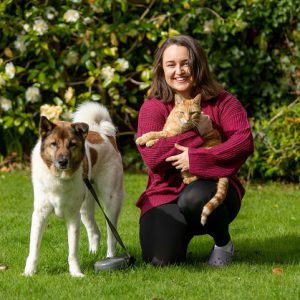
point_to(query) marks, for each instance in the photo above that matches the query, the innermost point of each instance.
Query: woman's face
(177, 70)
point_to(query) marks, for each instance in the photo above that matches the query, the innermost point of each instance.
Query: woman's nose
(179, 69)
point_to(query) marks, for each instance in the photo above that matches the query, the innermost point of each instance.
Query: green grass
(266, 234)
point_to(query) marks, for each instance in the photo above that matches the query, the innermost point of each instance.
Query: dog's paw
(93, 249)
(77, 274)
(110, 253)
(94, 243)
(74, 269)
(30, 269)
(28, 273)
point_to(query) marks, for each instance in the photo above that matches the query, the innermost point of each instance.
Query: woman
(170, 210)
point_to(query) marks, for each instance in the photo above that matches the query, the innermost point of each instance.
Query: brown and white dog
(64, 153)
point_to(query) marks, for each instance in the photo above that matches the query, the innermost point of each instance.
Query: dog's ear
(81, 129)
(46, 127)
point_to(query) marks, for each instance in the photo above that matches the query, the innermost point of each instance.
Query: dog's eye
(53, 144)
(72, 145)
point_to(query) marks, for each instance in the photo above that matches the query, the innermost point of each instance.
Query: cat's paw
(140, 141)
(188, 180)
(151, 143)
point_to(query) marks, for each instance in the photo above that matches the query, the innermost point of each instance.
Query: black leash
(111, 226)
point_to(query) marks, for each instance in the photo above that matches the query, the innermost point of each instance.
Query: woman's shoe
(219, 257)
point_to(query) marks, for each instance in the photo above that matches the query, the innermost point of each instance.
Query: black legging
(166, 230)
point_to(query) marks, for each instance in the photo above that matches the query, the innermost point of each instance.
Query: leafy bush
(60, 53)
(277, 145)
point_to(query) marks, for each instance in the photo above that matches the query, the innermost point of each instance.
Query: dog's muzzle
(63, 162)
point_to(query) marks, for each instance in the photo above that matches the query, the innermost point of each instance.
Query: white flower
(5, 103)
(32, 94)
(40, 26)
(28, 13)
(26, 27)
(69, 94)
(19, 44)
(52, 112)
(10, 70)
(2, 81)
(122, 64)
(71, 15)
(208, 26)
(76, 1)
(67, 115)
(87, 20)
(50, 13)
(72, 58)
(107, 73)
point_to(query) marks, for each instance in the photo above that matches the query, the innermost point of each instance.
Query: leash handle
(110, 224)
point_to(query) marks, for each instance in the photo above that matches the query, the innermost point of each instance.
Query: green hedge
(277, 145)
(61, 53)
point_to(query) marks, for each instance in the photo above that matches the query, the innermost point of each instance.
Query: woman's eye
(53, 144)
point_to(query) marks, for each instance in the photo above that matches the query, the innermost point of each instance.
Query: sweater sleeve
(152, 117)
(227, 158)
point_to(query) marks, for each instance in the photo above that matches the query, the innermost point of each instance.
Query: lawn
(266, 235)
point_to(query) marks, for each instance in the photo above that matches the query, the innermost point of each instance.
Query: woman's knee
(164, 235)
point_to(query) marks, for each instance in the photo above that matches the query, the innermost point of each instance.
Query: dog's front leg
(37, 228)
(73, 226)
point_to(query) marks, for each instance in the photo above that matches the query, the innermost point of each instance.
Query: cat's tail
(216, 200)
(96, 116)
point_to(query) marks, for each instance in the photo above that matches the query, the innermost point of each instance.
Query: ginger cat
(186, 115)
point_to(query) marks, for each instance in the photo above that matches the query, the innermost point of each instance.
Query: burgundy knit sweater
(164, 181)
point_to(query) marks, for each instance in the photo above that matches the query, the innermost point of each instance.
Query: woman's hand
(180, 161)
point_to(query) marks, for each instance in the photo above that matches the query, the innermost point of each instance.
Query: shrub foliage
(56, 54)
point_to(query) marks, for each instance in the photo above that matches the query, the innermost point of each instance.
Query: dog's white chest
(66, 198)
(63, 196)
(65, 206)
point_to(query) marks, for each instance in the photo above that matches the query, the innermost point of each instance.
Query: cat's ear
(178, 98)
(197, 99)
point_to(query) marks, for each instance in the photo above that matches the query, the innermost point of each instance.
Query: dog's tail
(96, 116)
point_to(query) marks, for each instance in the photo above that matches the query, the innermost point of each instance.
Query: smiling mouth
(181, 79)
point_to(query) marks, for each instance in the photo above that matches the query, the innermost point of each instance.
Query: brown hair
(204, 83)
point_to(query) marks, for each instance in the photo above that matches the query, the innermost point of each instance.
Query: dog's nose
(63, 162)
